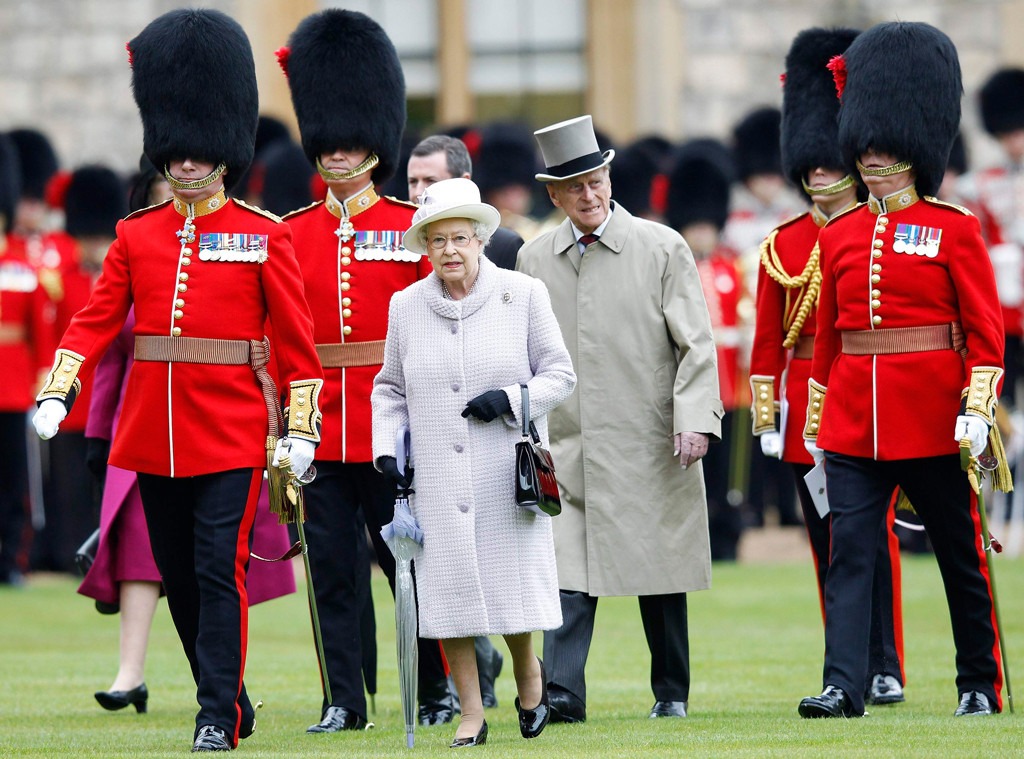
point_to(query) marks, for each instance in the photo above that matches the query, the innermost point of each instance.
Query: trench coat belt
(205, 350)
(804, 347)
(878, 342)
(10, 334)
(341, 355)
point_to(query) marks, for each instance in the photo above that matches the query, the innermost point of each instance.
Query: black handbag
(86, 553)
(536, 486)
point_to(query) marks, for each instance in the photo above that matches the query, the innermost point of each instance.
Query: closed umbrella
(405, 539)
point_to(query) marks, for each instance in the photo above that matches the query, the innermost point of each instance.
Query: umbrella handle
(403, 447)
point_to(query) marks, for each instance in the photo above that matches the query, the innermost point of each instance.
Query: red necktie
(588, 240)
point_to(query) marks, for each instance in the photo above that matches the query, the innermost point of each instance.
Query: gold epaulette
(790, 221)
(304, 415)
(932, 200)
(407, 203)
(53, 283)
(257, 209)
(147, 209)
(841, 214)
(815, 405)
(297, 211)
(762, 393)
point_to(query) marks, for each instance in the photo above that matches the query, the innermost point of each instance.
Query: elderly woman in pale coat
(460, 343)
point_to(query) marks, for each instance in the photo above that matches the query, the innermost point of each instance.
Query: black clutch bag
(86, 553)
(536, 486)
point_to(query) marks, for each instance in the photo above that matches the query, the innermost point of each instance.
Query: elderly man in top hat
(908, 328)
(628, 442)
(787, 290)
(349, 96)
(205, 273)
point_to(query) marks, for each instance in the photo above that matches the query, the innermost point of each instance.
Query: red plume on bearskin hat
(902, 97)
(96, 199)
(699, 184)
(347, 87)
(1002, 101)
(194, 82)
(809, 103)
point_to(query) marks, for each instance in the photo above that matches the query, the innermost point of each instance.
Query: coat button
(345, 260)
(182, 288)
(878, 243)
(876, 268)
(345, 276)
(455, 328)
(347, 330)
(179, 303)
(463, 507)
(346, 312)
(346, 250)
(876, 319)
(345, 286)
(875, 279)
(183, 277)
(455, 387)
(346, 302)
(186, 261)
(458, 447)
(176, 332)
(178, 314)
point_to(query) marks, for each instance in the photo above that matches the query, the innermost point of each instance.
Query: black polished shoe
(112, 700)
(336, 719)
(885, 689)
(248, 726)
(668, 709)
(210, 738)
(532, 721)
(477, 740)
(488, 674)
(565, 707)
(437, 707)
(833, 702)
(973, 702)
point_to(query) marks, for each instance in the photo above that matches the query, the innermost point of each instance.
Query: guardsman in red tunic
(907, 359)
(349, 96)
(204, 273)
(697, 207)
(780, 361)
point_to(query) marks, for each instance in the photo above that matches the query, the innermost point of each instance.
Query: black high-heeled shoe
(533, 721)
(477, 740)
(113, 700)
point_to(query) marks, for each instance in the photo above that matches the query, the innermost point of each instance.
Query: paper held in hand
(815, 480)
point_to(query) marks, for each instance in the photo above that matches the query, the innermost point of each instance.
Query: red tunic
(22, 326)
(793, 243)
(720, 280)
(901, 405)
(186, 419)
(349, 285)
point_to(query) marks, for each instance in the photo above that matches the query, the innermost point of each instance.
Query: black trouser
(725, 519)
(201, 532)
(13, 491)
(859, 493)
(885, 646)
(72, 501)
(333, 532)
(665, 625)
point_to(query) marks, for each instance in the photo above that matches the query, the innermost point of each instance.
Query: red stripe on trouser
(241, 563)
(897, 582)
(979, 545)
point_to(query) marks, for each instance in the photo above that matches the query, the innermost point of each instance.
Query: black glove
(488, 406)
(389, 468)
(97, 450)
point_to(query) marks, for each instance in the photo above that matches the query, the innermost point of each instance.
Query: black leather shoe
(437, 707)
(488, 674)
(565, 707)
(336, 719)
(833, 702)
(532, 721)
(885, 689)
(112, 700)
(973, 702)
(668, 709)
(210, 738)
(477, 740)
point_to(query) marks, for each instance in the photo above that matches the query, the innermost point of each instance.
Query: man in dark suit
(442, 157)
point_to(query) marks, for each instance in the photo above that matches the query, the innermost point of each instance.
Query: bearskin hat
(507, 156)
(756, 143)
(10, 183)
(635, 170)
(1002, 101)
(809, 103)
(286, 177)
(699, 184)
(958, 155)
(347, 87)
(194, 82)
(95, 200)
(37, 159)
(902, 96)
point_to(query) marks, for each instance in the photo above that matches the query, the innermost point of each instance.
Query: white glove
(975, 428)
(771, 444)
(816, 453)
(301, 453)
(48, 417)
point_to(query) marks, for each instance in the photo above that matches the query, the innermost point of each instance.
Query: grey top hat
(570, 149)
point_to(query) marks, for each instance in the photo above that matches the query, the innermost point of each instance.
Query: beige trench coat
(635, 322)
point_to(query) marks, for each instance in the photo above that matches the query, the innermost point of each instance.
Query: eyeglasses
(440, 242)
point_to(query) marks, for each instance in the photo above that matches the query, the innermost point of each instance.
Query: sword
(976, 466)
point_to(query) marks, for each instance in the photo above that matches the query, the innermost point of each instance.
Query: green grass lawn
(756, 650)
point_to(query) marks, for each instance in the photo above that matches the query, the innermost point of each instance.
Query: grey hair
(456, 154)
(481, 231)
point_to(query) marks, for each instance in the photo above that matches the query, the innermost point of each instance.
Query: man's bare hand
(690, 447)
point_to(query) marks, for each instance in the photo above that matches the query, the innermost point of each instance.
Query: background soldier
(195, 425)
